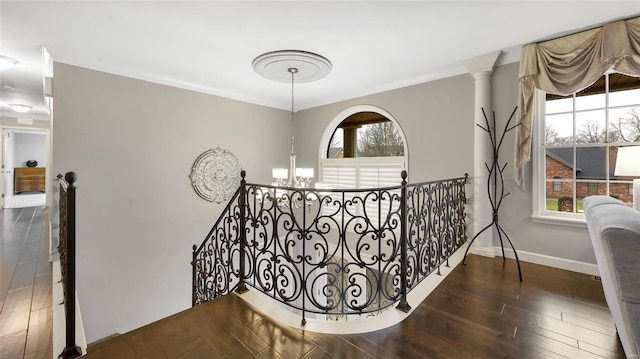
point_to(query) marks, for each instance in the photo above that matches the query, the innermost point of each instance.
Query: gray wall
(132, 144)
(437, 120)
(30, 146)
(559, 241)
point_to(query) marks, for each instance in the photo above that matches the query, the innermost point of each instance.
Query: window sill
(560, 221)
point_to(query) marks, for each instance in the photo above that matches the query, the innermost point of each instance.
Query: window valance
(569, 64)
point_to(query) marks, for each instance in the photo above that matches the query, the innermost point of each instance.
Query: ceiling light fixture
(20, 108)
(285, 66)
(7, 62)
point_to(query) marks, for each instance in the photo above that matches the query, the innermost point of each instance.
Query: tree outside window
(366, 134)
(380, 140)
(582, 134)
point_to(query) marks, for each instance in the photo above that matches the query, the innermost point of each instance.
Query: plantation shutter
(376, 175)
(363, 173)
(339, 175)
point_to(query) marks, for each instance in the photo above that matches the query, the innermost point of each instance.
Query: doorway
(25, 160)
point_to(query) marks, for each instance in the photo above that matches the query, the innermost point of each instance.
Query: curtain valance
(569, 64)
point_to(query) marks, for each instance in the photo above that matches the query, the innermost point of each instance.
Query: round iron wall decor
(215, 175)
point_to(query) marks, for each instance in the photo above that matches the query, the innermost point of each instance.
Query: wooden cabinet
(28, 179)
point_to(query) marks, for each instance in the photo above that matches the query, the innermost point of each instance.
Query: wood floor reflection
(26, 316)
(479, 311)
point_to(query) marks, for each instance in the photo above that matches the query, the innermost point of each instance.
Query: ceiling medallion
(215, 175)
(275, 65)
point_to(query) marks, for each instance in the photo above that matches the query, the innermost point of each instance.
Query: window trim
(357, 162)
(331, 126)
(539, 212)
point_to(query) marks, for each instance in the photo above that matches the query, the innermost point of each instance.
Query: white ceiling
(208, 46)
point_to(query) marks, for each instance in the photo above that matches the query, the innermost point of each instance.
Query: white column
(481, 68)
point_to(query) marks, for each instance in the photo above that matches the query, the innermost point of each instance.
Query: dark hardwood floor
(479, 311)
(26, 316)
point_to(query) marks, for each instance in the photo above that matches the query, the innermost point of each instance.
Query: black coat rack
(495, 181)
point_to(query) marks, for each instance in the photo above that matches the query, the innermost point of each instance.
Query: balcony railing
(67, 252)
(332, 252)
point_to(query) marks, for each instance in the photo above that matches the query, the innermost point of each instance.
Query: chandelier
(285, 66)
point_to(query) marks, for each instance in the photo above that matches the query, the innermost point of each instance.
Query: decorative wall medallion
(215, 175)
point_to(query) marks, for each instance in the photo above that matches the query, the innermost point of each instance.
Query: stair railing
(332, 252)
(67, 252)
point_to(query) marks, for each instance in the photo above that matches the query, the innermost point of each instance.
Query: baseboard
(102, 340)
(549, 261)
(483, 251)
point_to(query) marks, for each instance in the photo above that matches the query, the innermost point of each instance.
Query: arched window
(363, 147)
(366, 134)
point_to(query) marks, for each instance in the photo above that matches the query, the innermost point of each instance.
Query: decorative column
(481, 68)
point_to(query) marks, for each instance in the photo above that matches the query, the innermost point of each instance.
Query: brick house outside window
(590, 168)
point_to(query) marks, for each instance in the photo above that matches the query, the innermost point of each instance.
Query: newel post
(403, 305)
(193, 275)
(242, 287)
(71, 350)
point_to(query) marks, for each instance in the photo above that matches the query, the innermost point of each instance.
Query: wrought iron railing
(67, 253)
(332, 252)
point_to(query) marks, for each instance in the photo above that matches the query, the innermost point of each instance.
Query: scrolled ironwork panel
(215, 263)
(62, 237)
(436, 225)
(332, 252)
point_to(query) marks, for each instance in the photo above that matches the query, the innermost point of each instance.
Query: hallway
(26, 316)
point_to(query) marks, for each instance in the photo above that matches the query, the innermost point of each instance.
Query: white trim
(328, 131)
(549, 261)
(537, 152)
(31, 115)
(483, 251)
(576, 220)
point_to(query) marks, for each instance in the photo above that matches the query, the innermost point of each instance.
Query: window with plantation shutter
(363, 148)
(363, 173)
(381, 173)
(377, 175)
(338, 174)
